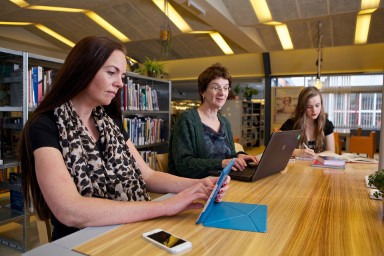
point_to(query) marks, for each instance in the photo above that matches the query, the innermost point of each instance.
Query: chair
(239, 147)
(363, 144)
(162, 162)
(44, 230)
(337, 143)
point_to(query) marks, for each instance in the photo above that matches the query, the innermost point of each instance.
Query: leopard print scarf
(109, 173)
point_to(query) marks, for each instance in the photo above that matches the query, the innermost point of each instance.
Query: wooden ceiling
(140, 21)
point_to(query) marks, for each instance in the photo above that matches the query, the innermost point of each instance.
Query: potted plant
(377, 179)
(153, 68)
(236, 91)
(249, 92)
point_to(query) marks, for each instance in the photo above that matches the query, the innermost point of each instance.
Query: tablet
(208, 205)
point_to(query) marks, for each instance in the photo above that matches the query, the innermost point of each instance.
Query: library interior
(273, 50)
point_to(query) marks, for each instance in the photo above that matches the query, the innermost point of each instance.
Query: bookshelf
(15, 96)
(247, 120)
(146, 106)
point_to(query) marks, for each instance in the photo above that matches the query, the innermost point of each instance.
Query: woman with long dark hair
(78, 163)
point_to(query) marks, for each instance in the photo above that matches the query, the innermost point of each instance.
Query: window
(350, 100)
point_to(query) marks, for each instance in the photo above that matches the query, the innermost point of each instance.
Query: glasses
(217, 87)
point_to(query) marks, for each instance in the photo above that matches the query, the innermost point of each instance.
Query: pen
(305, 145)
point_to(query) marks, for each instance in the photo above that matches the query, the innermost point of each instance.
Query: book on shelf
(349, 157)
(138, 97)
(333, 165)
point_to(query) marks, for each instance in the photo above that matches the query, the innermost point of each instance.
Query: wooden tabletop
(311, 211)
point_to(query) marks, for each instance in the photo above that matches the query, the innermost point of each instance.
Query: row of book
(138, 97)
(39, 81)
(150, 158)
(144, 130)
(133, 97)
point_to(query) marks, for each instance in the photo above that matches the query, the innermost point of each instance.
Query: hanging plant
(165, 31)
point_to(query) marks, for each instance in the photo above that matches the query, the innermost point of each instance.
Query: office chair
(162, 162)
(337, 143)
(363, 144)
(239, 147)
(44, 230)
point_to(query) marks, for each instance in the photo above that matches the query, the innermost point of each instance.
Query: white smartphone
(167, 241)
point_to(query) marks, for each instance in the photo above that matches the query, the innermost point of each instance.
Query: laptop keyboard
(245, 175)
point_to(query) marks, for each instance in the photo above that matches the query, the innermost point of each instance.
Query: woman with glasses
(202, 138)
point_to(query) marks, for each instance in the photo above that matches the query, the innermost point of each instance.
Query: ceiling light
(221, 43)
(131, 60)
(201, 32)
(55, 35)
(362, 28)
(20, 3)
(54, 9)
(15, 23)
(174, 16)
(367, 11)
(273, 23)
(103, 23)
(285, 38)
(261, 9)
(369, 4)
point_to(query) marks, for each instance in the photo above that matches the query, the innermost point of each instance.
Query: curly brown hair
(211, 73)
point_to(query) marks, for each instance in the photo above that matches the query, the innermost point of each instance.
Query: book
(331, 160)
(349, 158)
(317, 163)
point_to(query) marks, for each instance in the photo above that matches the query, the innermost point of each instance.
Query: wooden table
(311, 211)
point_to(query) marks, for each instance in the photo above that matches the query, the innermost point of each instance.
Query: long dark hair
(78, 70)
(299, 117)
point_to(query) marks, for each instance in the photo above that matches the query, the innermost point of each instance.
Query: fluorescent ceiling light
(54, 9)
(285, 38)
(55, 35)
(367, 11)
(103, 23)
(273, 23)
(369, 4)
(174, 16)
(20, 3)
(201, 32)
(221, 43)
(362, 28)
(15, 23)
(260, 7)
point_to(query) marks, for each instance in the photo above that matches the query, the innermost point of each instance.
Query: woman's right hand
(188, 199)
(195, 196)
(304, 152)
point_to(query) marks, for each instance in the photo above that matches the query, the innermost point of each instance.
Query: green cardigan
(187, 152)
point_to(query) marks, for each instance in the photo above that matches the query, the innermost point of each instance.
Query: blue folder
(231, 215)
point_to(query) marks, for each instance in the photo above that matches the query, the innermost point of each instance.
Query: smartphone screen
(166, 239)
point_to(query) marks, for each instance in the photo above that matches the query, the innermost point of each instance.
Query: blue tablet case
(231, 215)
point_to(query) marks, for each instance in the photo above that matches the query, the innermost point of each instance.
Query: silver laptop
(273, 160)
